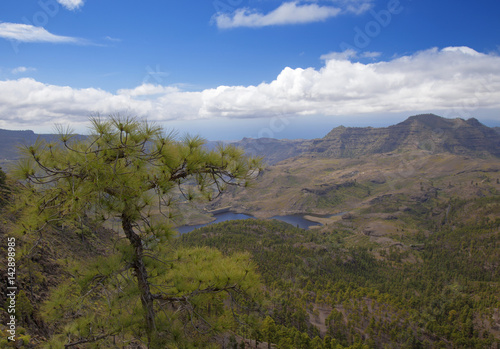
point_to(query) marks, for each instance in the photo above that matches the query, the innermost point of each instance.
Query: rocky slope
(351, 169)
(427, 132)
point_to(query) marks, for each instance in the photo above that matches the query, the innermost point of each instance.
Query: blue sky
(227, 69)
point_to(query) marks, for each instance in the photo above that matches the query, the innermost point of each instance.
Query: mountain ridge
(11, 139)
(429, 132)
(423, 131)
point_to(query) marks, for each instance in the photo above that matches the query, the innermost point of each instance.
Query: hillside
(406, 256)
(322, 185)
(428, 288)
(350, 168)
(10, 141)
(427, 131)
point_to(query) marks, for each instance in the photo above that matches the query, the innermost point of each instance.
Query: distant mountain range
(427, 131)
(11, 140)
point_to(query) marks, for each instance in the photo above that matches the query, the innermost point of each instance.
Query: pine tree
(130, 170)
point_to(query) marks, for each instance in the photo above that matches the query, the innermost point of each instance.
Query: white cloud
(28, 104)
(428, 80)
(286, 13)
(21, 70)
(71, 4)
(347, 54)
(458, 79)
(30, 33)
(358, 8)
(148, 90)
(462, 49)
(371, 54)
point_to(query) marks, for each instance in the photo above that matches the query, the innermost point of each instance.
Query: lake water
(297, 220)
(294, 219)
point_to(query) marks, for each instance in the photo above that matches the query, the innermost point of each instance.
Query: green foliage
(326, 288)
(125, 166)
(440, 300)
(5, 190)
(24, 308)
(203, 276)
(143, 289)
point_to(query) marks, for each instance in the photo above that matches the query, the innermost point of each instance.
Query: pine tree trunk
(141, 274)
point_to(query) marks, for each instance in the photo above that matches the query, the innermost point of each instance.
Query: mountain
(274, 150)
(353, 168)
(427, 132)
(421, 198)
(10, 140)
(406, 254)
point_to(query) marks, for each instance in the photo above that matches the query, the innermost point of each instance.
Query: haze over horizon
(228, 69)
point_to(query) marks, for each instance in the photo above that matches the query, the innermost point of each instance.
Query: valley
(405, 252)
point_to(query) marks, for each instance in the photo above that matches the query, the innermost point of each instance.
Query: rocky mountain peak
(424, 131)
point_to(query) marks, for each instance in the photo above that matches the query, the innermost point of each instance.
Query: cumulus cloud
(462, 49)
(447, 79)
(71, 4)
(428, 80)
(286, 13)
(148, 90)
(29, 104)
(30, 33)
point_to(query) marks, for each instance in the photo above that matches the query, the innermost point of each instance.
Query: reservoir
(297, 220)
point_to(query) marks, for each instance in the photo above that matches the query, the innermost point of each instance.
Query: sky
(228, 69)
